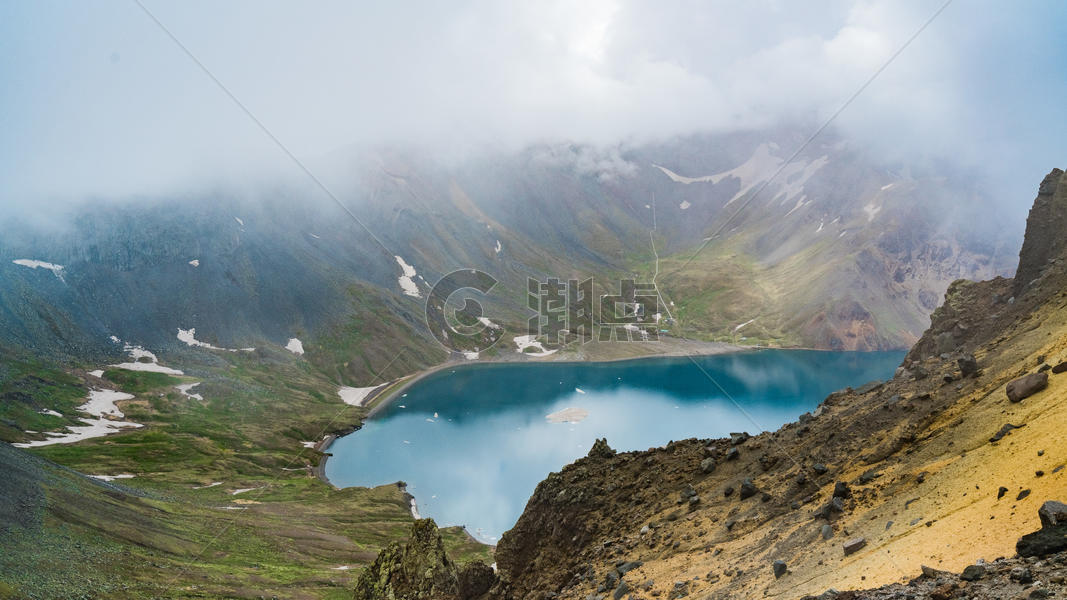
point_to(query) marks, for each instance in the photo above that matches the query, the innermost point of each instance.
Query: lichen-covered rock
(601, 449)
(421, 569)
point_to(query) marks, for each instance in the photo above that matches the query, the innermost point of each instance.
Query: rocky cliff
(941, 466)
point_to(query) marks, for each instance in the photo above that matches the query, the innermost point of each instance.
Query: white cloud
(108, 101)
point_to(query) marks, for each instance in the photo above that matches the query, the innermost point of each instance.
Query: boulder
(707, 465)
(1052, 514)
(779, 567)
(819, 468)
(968, 365)
(1060, 368)
(733, 454)
(827, 532)
(748, 489)
(1026, 386)
(737, 438)
(841, 490)
(475, 579)
(869, 387)
(1043, 542)
(973, 573)
(854, 545)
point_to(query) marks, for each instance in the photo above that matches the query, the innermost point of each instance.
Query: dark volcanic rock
(968, 365)
(1043, 542)
(737, 438)
(748, 489)
(1026, 386)
(601, 449)
(973, 573)
(1003, 431)
(707, 465)
(854, 545)
(779, 568)
(841, 490)
(1060, 368)
(1044, 238)
(1052, 514)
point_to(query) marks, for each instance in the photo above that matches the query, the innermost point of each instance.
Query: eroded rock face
(1044, 239)
(421, 569)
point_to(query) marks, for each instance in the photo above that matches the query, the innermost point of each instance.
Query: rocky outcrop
(1045, 241)
(420, 570)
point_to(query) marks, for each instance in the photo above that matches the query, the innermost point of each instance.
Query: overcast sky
(96, 99)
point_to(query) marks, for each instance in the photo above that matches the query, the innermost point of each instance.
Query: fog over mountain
(100, 102)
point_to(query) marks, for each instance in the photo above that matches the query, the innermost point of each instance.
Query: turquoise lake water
(472, 443)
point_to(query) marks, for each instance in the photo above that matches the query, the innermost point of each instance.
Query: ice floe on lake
(567, 415)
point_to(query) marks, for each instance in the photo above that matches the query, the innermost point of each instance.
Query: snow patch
(50, 412)
(354, 396)
(184, 389)
(568, 415)
(57, 270)
(684, 205)
(97, 373)
(743, 325)
(210, 485)
(295, 346)
(243, 490)
(760, 167)
(407, 284)
(871, 211)
(100, 406)
(239, 221)
(195, 262)
(113, 477)
(189, 337)
(136, 353)
(523, 342)
(498, 247)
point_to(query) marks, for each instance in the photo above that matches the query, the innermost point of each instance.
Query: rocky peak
(422, 569)
(1046, 225)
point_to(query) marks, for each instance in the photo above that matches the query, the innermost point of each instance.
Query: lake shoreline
(481, 381)
(385, 394)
